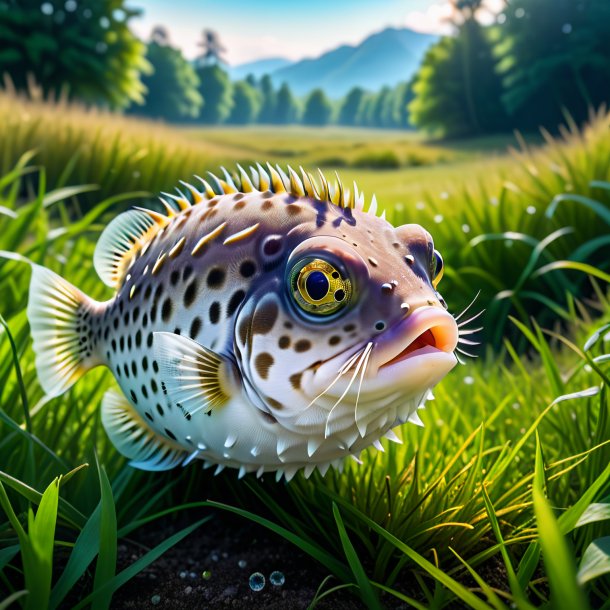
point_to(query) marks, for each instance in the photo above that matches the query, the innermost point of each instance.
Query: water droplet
(182, 574)
(105, 22)
(206, 575)
(277, 579)
(242, 563)
(46, 8)
(420, 205)
(192, 575)
(438, 218)
(501, 18)
(215, 557)
(530, 209)
(466, 228)
(468, 380)
(566, 28)
(520, 13)
(70, 5)
(256, 581)
(155, 599)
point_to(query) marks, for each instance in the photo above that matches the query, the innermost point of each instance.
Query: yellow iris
(318, 287)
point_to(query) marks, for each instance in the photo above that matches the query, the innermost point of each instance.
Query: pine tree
(351, 106)
(269, 101)
(216, 89)
(318, 109)
(287, 110)
(246, 104)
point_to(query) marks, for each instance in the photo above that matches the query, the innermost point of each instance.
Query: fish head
(349, 325)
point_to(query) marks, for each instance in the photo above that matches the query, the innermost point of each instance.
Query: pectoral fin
(195, 377)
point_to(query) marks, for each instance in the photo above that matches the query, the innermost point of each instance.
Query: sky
(294, 29)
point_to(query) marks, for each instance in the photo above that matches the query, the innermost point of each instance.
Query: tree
(267, 114)
(384, 108)
(318, 109)
(83, 48)
(246, 104)
(287, 109)
(216, 89)
(448, 101)
(554, 56)
(173, 86)
(351, 106)
(211, 48)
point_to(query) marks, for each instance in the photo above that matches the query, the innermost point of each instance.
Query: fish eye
(437, 268)
(318, 287)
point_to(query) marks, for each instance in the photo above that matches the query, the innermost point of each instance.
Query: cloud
(438, 18)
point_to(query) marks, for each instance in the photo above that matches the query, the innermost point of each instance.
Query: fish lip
(400, 336)
(391, 342)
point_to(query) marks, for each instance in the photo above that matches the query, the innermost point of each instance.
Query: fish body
(270, 324)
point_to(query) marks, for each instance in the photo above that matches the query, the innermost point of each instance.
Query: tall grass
(510, 469)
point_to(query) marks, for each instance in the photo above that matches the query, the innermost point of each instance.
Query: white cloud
(439, 18)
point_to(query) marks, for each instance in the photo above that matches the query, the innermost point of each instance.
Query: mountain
(384, 58)
(257, 68)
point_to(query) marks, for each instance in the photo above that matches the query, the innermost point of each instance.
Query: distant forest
(541, 62)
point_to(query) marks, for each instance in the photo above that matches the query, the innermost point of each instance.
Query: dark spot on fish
(135, 314)
(195, 327)
(177, 331)
(288, 325)
(126, 319)
(166, 311)
(302, 345)
(115, 323)
(334, 340)
(293, 209)
(242, 330)
(264, 318)
(129, 343)
(145, 320)
(150, 417)
(174, 277)
(134, 397)
(190, 293)
(215, 312)
(149, 340)
(216, 278)
(170, 434)
(349, 327)
(263, 363)
(235, 302)
(144, 391)
(147, 292)
(284, 342)
(295, 380)
(238, 196)
(139, 338)
(267, 195)
(126, 369)
(145, 364)
(113, 344)
(268, 417)
(159, 409)
(247, 268)
(122, 344)
(134, 368)
(106, 334)
(188, 270)
(153, 386)
(240, 205)
(276, 404)
(155, 366)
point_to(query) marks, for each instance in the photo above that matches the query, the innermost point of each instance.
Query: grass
(511, 468)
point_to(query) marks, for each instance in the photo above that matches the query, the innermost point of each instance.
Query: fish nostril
(380, 325)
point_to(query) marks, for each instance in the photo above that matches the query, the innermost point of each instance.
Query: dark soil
(220, 546)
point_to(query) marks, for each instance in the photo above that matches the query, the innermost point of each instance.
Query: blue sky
(253, 29)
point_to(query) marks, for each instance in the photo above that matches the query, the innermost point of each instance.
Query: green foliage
(216, 90)
(172, 88)
(246, 104)
(318, 109)
(457, 91)
(350, 107)
(554, 55)
(83, 49)
(420, 521)
(287, 109)
(269, 104)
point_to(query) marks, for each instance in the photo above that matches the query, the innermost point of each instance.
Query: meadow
(501, 499)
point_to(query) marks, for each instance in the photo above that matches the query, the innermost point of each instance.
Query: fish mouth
(416, 352)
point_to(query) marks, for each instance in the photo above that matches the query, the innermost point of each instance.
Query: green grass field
(511, 468)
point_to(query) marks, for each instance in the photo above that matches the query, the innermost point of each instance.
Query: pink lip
(426, 330)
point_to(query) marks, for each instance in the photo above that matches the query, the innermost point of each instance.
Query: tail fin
(60, 319)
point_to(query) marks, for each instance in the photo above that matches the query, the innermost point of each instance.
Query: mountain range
(384, 58)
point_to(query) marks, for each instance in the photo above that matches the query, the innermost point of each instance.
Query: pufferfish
(267, 322)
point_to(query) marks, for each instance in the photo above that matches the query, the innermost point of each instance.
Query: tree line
(537, 61)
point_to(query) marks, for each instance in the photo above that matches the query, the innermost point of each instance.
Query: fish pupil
(317, 285)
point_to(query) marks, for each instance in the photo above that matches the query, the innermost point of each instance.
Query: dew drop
(155, 600)
(242, 563)
(256, 581)
(468, 380)
(182, 574)
(530, 209)
(438, 218)
(277, 578)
